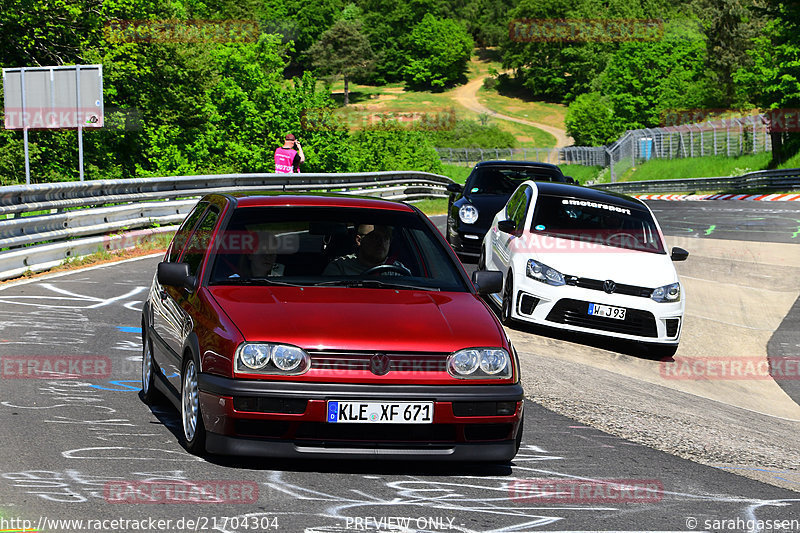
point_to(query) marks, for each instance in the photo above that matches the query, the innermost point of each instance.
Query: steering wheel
(622, 238)
(383, 269)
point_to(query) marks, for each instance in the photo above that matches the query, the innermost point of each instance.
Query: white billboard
(66, 97)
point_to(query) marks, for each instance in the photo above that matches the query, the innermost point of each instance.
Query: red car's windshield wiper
(372, 283)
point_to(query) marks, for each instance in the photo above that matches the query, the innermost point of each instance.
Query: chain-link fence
(729, 137)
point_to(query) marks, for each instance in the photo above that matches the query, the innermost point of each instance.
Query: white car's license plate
(607, 311)
(380, 412)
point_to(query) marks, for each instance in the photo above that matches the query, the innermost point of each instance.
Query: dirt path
(466, 95)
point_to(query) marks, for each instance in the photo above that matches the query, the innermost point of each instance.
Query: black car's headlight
(667, 293)
(468, 214)
(268, 358)
(545, 274)
(479, 363)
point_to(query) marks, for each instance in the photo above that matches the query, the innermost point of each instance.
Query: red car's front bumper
(471, 422)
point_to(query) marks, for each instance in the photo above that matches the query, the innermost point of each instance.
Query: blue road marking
(121, 383)
(128, 329)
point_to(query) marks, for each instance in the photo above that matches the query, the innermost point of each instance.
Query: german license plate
(347, 412)
(607, 311)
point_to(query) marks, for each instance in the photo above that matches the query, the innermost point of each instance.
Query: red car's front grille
(377, 361)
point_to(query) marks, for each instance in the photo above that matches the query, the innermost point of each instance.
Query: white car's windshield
(600, 222)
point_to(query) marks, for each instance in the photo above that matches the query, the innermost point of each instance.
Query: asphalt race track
(730, 219)
(74, 446)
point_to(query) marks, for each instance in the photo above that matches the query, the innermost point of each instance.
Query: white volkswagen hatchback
(588, 261)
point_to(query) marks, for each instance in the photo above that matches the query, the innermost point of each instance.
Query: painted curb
(793, 197)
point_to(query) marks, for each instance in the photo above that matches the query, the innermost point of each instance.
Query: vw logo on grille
(609, 286)
(379, 364)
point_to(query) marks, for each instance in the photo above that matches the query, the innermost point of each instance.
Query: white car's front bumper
(567, 307)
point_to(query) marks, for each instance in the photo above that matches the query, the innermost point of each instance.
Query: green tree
(590, 120)
(773, 81)
(388, 24)
(302, 23)
(558, 67)
(730, 27)
(486, 20)
(546, 68)
(45, 33)
(438, 52)
(344, 51)
(644, 79)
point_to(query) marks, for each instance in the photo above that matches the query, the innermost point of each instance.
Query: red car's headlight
(479, 363)
(267, 358)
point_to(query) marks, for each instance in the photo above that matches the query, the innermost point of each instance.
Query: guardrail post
(715, 138)
(611, 166)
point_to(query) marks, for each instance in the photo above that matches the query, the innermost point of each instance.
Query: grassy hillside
(369, 103)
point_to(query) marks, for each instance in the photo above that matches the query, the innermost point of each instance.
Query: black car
(486, 191)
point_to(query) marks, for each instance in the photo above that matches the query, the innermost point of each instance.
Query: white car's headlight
(545, 274)
(667, 293)
(468, 214)
(267, 358)
(479, 363)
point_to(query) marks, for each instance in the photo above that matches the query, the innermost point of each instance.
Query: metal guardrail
(783, 179)
(79, 216)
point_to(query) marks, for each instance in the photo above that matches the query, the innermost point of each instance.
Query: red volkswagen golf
(328, 326)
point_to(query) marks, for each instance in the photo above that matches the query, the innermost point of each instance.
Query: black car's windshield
(506, 179)
(344, 247)
(598, 222)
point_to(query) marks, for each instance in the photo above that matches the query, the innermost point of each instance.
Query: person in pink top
(289, 157)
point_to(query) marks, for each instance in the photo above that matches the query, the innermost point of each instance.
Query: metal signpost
(65, 97)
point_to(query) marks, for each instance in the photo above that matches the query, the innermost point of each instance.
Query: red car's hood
(336, 318)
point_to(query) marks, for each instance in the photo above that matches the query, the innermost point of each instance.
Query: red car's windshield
(333, 246)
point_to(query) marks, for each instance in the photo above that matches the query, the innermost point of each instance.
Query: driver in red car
(373, 250)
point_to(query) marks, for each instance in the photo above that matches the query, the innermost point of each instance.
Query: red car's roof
(258, 199)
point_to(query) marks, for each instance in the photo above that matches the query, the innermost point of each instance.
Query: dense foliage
(472, 134)
(705, 54)
(177, 105)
